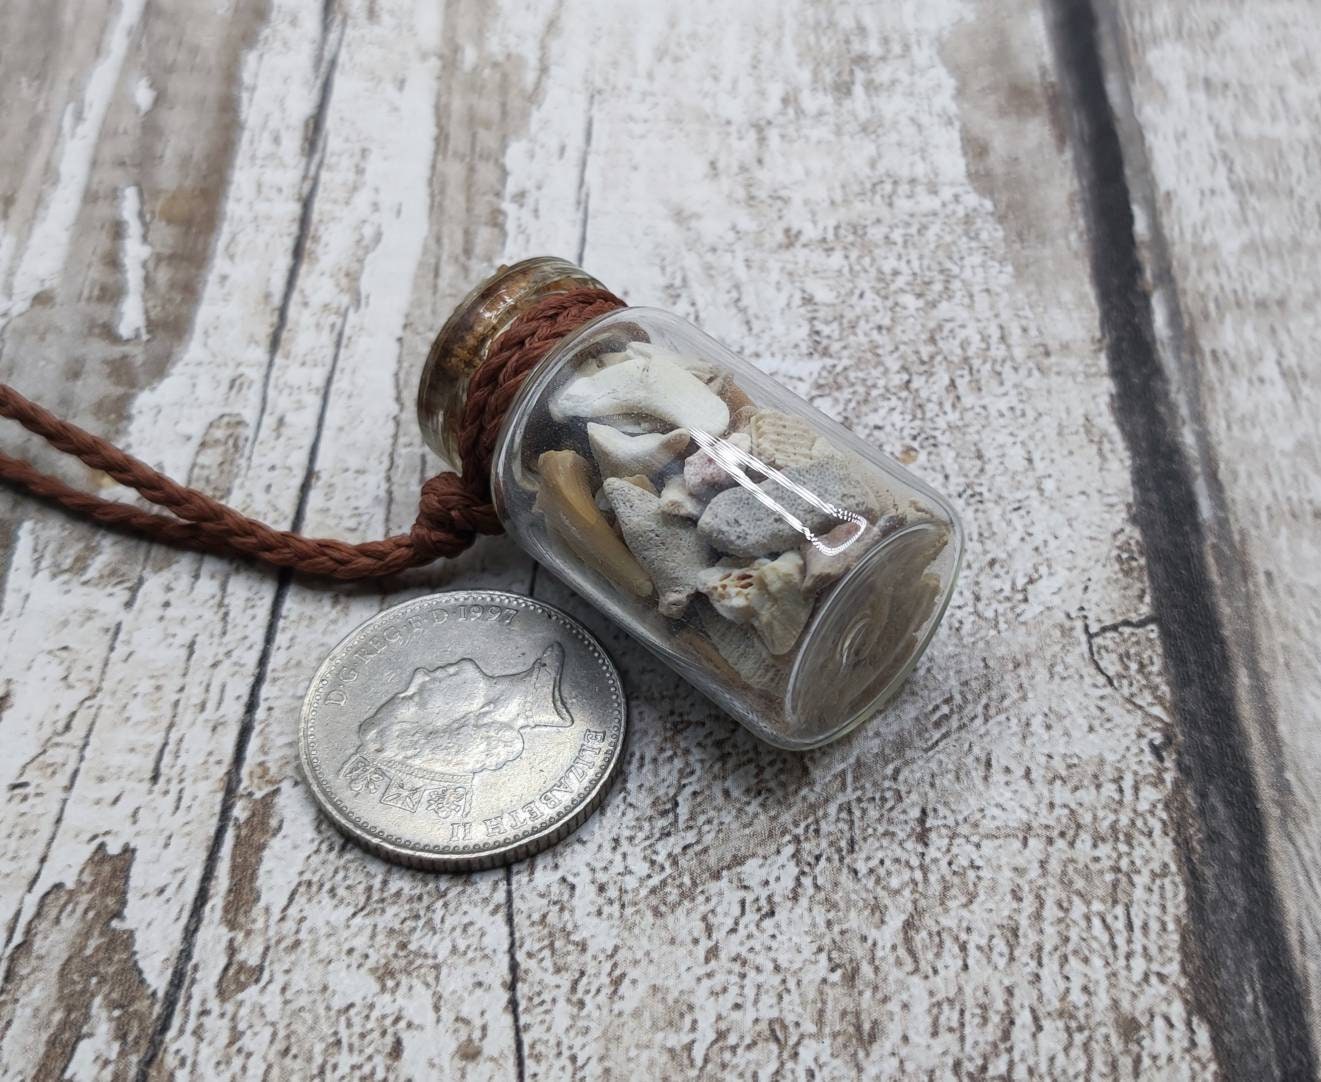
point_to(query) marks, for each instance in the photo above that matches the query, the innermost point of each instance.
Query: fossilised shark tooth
(643, 385)
(668, 547)
(619, 455)
(741, 407)
(565, 498)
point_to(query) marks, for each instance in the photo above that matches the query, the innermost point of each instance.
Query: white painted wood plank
(1224, 155)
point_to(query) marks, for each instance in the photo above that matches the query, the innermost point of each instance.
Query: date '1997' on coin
(462, 730)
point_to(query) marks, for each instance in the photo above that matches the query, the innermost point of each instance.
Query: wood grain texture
(1218, 113)
(877, 204)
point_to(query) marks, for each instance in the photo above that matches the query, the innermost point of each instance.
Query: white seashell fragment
(619, 455)
(768, 594)
(703, 370)
(780, 606)
(670, 548)
(729, 586)
(591, 365)
(675, 499)
(644, 385)
(776, 515)
(706, 474)
(745, 653)
(781, 440)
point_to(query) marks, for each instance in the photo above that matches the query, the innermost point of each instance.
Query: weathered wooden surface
(227, 239)
(1231, 223)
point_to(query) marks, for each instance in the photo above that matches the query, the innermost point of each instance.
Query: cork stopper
(466, 338)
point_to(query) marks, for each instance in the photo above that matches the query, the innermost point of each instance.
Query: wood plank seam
(520, 1061)
(315, 158)
(234, 773)
(1233, 285)
(1250, 992)
(58, 821)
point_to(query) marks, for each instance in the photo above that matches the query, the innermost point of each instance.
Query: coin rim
(474, 857)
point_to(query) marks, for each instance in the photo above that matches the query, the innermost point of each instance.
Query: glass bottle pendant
(790, 571)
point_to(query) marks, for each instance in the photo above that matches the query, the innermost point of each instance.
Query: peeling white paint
(80, 129)
(133, 255)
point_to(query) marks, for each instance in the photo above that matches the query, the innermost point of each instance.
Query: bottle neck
(464, 342)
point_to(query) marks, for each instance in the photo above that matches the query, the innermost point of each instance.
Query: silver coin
(462, 730)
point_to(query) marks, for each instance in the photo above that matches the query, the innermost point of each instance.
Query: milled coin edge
(451, 860)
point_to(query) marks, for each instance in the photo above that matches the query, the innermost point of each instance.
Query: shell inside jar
(725, 525)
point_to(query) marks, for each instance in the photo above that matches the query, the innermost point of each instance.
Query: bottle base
(870, 632)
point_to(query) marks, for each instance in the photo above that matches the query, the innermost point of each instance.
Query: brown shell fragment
(737, 400)
(566, 500)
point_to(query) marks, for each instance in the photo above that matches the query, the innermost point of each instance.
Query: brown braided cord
(452, 509)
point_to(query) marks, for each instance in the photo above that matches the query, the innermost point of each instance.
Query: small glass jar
(788, 570)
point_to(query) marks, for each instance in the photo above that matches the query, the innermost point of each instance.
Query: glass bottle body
(790, 571)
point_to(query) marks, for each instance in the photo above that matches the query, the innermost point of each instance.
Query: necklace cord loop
(453, 509)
